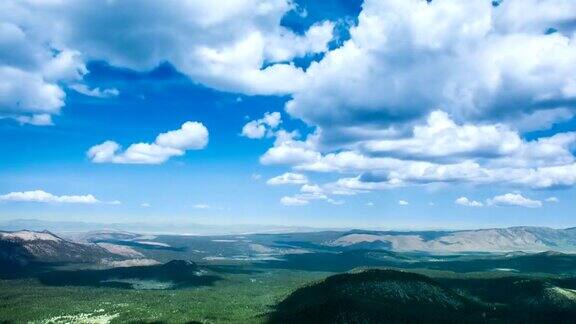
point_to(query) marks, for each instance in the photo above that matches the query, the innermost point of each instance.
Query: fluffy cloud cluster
(423, 92)
(464, 201)
(262, 127)
(191, 136)
(30, 77)
(236, 46)
(473, 59)
(46, 197)
(441, 91)
(439, 151)
(509, 199)
(514, 199)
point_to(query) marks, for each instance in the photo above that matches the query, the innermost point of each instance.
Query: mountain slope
(376, 296)
(24, 247)
(532, 239)
(389, 296)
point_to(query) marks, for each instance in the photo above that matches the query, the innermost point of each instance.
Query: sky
(398, 114)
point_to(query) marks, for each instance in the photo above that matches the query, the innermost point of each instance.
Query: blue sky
(382, 116)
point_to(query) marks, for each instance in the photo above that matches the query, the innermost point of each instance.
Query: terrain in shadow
(172, 275)
(389, 296)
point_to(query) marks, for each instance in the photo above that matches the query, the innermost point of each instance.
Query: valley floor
(241, 298)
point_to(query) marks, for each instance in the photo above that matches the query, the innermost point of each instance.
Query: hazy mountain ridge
(47, 247)
(530, 239)
(520, 238)
(186, 228)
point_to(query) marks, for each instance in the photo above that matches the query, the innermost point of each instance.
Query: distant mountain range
(123, 248)
(529, 239)
(154, 228)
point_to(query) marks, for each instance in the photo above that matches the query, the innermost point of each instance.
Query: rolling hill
(389, 296)
(377, 296)
(22, 251)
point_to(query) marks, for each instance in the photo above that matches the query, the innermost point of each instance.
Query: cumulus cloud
(411, 101)
(191, 136)
(287, 150)
(441, 137)
(423, 92)
(552, 200)
(33, 70)
(403, 203)
(514, 199)
(404, 58)
(438, 151)
(262, 127)
(474, 60)
(464, 201)
(288, 178)
(239, 46)
(41, 196)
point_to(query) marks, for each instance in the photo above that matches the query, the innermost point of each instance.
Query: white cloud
(441, 137)
(145, 205)
(403, 203)
(404, 59)
(293, 201)
(239, 46)
(23, 94)
(289, 151)
(308, 193)
(472, 79)
(464, 201)
(370, 204)
(288, 178)
(262, 127)
(312, 189)
(33, 69)
(552, 200)
(514, 199)
(253, 130)
(201, 206)
(191, 136)
(95, 92)
(440, 151)
(41, 196)
(36, 120)
(469, 58)
(421, 93)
